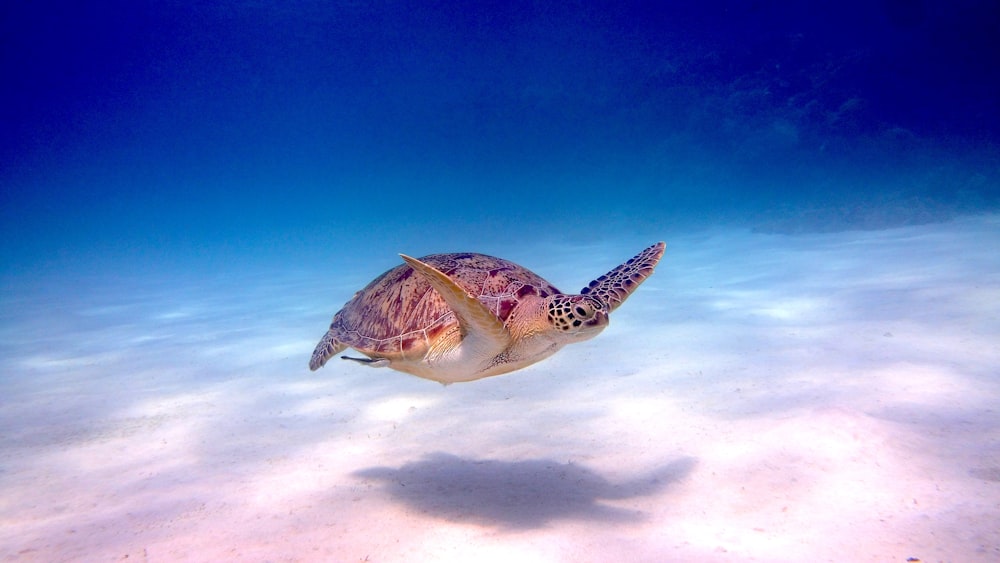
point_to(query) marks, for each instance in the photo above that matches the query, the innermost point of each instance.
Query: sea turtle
(464, 316)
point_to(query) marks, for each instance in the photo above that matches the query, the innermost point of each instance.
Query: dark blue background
(132, 126)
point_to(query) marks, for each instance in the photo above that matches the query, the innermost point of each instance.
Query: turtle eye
(583, 313)
(571, 313)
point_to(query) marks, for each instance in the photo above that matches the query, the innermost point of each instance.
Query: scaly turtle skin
(465, 316)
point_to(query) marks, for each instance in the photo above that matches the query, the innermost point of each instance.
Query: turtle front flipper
(327, 347)
(479, 326)
(614, 287)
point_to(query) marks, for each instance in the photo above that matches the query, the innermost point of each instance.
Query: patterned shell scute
(399, 312)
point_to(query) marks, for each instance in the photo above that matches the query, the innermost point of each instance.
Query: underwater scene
(205, 205)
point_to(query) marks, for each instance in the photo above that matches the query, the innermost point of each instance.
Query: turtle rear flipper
(614, 287)
(327, 347)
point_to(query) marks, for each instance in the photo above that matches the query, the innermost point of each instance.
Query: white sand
(772, 398)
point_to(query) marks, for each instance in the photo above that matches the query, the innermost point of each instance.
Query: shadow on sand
(520, 494)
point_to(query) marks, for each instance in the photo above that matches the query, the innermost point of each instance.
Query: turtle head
(577, 317)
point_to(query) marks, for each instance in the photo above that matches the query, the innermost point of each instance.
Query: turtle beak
(600, 319)
(594, 325)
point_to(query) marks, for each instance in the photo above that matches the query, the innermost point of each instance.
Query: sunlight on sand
(397, 409)
(762, 397)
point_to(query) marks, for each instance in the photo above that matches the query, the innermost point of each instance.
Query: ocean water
(188, 193)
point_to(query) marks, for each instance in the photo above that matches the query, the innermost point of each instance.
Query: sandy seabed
(829, 397)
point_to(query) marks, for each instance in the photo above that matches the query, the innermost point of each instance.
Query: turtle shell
(399, 314)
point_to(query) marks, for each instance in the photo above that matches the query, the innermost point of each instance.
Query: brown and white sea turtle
(464, 316)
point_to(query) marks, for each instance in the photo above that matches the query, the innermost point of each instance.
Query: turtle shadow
(520, 494)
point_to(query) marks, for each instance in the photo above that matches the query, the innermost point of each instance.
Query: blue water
(139, 129)
(190, 190)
